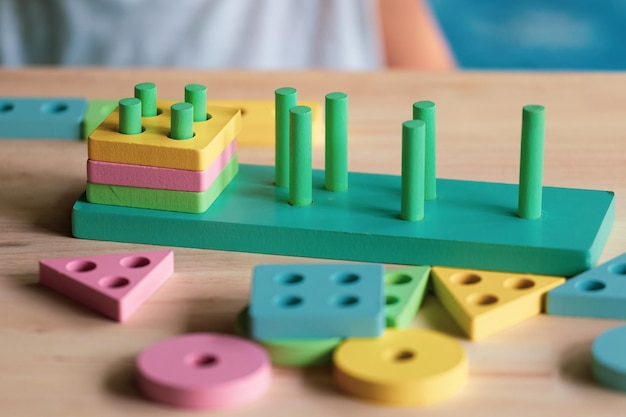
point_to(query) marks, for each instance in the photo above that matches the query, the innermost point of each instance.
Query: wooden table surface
(60, 359)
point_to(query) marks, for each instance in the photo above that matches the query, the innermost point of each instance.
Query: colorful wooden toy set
(162, 172)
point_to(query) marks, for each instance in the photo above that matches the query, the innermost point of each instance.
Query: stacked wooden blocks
(163, 155)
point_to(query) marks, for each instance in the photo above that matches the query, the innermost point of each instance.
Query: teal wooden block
(470, 224)
(171, 200)
(307, 301)
(404, 292)
(608, 364)
(41, 118)
(597, 293)
(97, 111)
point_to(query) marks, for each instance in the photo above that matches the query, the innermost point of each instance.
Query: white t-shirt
(251, 34)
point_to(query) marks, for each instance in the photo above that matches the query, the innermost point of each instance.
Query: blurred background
(327, 34)
(535, 34)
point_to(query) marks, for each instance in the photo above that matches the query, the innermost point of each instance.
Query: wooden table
(60, 359)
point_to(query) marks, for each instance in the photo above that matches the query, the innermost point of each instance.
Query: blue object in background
(535, 34)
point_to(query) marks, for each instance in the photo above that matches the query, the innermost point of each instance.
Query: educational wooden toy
(485, 302)
(470, 224)
(403, 367)
(296, 301)
(404, 292)
(608, 364)
(99, 172)
(599, 292)
(42, 118)
(114, 285)
(291, 352)
(204, 371)
(258, 120)
(172, 200)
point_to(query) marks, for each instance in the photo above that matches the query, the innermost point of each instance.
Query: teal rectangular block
(42, 118)
(597, 293)
(470, 224)
(309, 301)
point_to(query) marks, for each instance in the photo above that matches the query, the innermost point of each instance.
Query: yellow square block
(153, 147)
(485, 302)
(259, 120)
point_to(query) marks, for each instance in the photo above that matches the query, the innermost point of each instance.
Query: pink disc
(204, 370)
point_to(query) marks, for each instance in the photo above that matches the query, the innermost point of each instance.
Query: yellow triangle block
(485, 302)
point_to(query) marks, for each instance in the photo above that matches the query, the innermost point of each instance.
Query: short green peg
(285, 99)
(427, 111)
(147, 93)
(196, 95)
(336, 162)
(130, 116)
(413, 170)
(300, 159)
(182, 121)
(531, 162)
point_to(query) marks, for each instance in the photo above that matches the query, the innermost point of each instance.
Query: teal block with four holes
(404, 292)
(42, 118)
(598, 293)
(292, 301)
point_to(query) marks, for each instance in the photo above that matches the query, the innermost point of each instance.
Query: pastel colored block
(485, 302)
(258, 120)
(470, 224)
(42, 117)
(309, 301)
(598, 293)
(97, 111)
(608, 364)
(142, 176)
(154, 147)
(404, 367)
(404, 292)
(204, 371)
(291, 352)
(171, 200)
(114, 285)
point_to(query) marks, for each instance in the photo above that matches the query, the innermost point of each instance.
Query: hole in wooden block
(113, 282)
(465, 279)
(201, 360)
(135, 262)
(345, 278)
(81, 266)
(54, 107)
(519, 283)
(289, 301)
(289, 279)
(398, 279)
(591, 285)
(482, 299)
(344, 301)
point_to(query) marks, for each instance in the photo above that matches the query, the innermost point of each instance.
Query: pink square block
(141, 176)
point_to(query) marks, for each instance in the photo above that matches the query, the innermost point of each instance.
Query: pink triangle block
(114, 285)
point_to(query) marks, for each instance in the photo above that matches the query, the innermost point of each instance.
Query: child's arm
(411, 36)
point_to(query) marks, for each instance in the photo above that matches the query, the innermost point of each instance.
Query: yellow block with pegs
(403, 367)
(485, 302)
(154, 147)
(259, 124)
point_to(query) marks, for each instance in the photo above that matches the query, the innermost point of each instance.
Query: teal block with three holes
(404, 292)
(598, 293)
(42, 118)
(293, 301)
(470, 224)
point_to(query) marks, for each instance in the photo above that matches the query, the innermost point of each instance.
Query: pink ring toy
(204, 371)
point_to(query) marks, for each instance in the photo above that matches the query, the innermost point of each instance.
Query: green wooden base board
(170, 200)
(470, 224)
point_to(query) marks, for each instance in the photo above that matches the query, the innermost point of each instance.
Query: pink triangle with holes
(114, 285)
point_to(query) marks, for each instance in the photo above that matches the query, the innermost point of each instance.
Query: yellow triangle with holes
(485, 302)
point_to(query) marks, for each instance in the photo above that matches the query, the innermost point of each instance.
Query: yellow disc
(402, 367)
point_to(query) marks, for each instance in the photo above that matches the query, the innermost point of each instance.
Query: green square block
(157, 199)
(470, 224)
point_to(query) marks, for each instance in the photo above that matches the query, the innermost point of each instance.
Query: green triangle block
(97, 111)
(404, 292)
